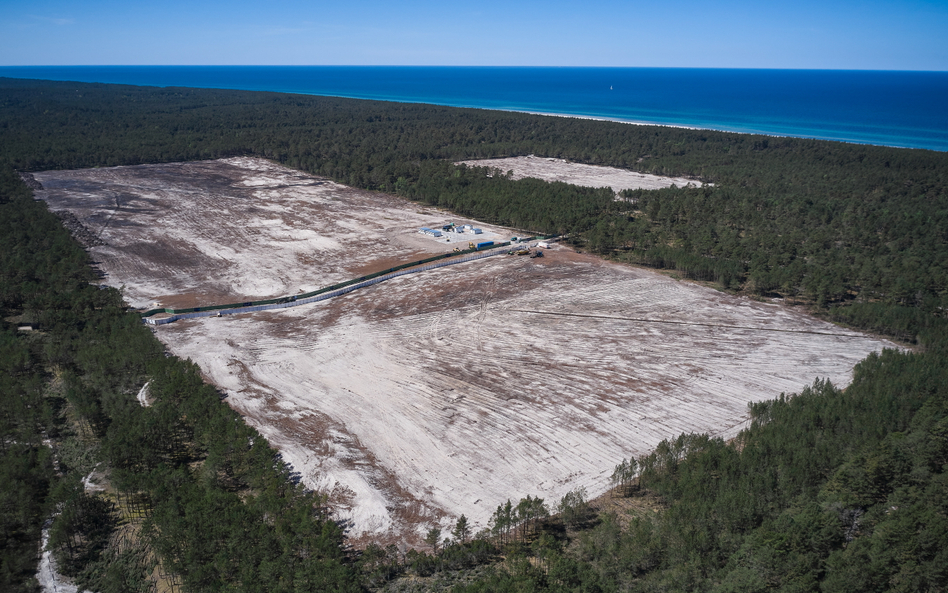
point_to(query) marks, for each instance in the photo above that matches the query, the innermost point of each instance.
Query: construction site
(527, 369)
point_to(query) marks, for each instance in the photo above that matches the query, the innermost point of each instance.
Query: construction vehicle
(457, 250)
(471, 245)
(536, 253)
(523, 252)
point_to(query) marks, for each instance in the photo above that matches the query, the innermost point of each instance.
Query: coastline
(686, 127)
(620, 121)
(905, 110)
(606, 119)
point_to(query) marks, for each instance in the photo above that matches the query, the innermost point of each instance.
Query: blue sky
(876, 35)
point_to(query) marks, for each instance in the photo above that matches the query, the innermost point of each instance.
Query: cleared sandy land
(185, 234)
(550, 169)
(445, 392)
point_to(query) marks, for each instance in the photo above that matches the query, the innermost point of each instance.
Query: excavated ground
(551, 169)
(441, 393)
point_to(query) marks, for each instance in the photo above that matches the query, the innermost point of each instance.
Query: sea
(892, 108)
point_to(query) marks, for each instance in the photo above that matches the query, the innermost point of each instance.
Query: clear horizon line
(457, 66)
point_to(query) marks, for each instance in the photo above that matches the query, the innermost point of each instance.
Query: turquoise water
(906, 109)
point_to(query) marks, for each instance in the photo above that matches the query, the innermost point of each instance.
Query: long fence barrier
(324, 293)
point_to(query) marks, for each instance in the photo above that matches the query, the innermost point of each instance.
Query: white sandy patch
(142, 396)
(551, 169)
(94, 482)
(50, 581)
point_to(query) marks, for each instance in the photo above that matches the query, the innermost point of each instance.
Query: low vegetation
(829, 489)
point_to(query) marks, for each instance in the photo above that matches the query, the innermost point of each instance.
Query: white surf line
(643, 320)
(324, 296)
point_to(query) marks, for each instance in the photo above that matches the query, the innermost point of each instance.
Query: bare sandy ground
(447, 392)
(550, 169)
(217, 231)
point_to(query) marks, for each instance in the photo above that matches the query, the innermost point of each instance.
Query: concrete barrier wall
(323, 296)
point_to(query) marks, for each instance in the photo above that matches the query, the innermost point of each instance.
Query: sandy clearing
(444, 392)
(468, 403)
(210, 231)
(551, 169)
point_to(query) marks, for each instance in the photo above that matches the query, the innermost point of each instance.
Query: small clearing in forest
(550, 169)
